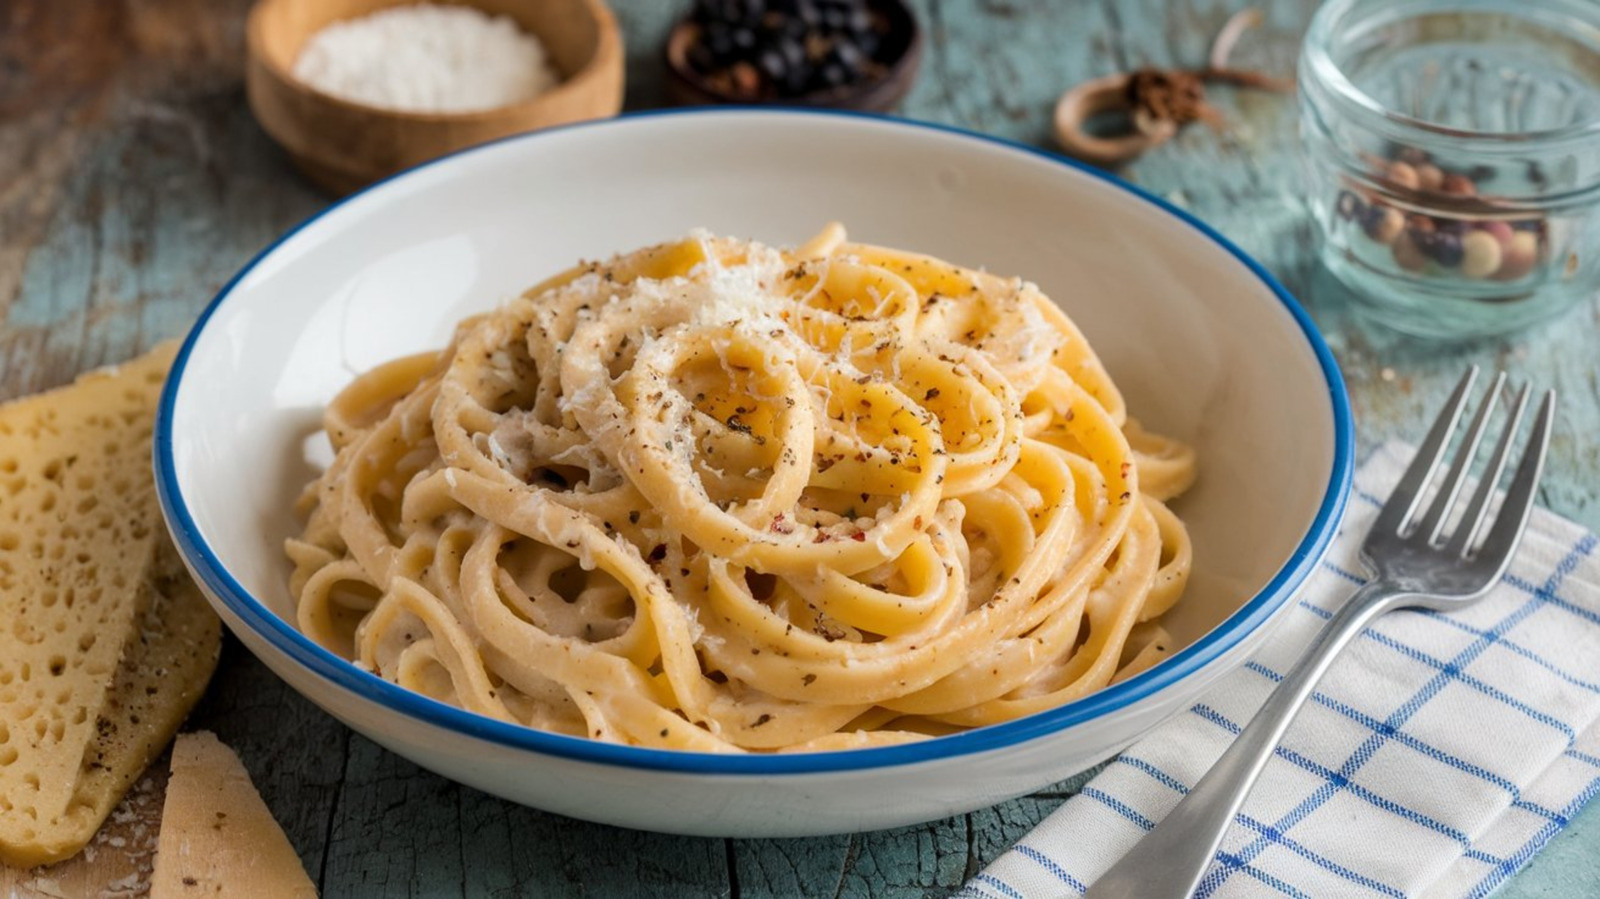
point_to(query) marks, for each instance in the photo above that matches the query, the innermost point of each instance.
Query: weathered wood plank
(383, 800)
(998, 67)
(512, 851)
(930, 860)
(133, 180)
(908, 861)
(400, 831)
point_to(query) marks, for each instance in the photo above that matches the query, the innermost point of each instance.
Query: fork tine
(1439, 512)
(1478, 509)
(1408, 493)
(1506, 532)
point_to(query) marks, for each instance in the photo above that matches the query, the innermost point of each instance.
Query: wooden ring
(1079, 104)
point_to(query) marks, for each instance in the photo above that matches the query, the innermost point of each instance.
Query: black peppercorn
(793, 46)
(1444, 247)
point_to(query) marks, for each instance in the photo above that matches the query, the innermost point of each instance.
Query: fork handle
(1170, 860)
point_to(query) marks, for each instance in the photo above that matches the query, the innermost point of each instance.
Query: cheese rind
(217, 837)
(95, 606)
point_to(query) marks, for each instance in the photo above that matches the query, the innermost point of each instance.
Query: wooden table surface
(134, 182)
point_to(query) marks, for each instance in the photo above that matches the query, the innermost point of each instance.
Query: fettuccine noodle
(715, 496)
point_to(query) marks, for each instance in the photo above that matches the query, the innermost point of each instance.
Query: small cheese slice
(217, 837)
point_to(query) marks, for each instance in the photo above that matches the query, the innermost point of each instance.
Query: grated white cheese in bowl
(427, 58)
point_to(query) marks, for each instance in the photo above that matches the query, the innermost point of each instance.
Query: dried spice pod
(1156, 101)
(1092, 98)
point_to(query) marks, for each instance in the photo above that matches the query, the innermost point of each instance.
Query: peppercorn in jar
(1453, 152)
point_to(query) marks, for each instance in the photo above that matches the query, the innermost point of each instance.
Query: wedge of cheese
(105, 644)
(217, 837)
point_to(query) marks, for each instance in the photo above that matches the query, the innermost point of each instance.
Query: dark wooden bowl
(687, 87)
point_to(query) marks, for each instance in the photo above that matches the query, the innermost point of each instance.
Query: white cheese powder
(427, 58)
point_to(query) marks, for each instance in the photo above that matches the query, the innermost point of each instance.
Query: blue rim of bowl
(340, 673)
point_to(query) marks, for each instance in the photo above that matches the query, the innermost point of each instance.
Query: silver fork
(1414, 562)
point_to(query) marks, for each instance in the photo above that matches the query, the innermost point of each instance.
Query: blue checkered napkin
(1439, 754)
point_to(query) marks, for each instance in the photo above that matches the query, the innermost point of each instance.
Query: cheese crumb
(427, 58)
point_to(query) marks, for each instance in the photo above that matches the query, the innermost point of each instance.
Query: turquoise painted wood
(133, 182)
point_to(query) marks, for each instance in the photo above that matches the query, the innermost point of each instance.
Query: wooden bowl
(687, 87)
(342, 145)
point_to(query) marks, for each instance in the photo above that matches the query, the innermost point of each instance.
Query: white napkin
(1438, 755)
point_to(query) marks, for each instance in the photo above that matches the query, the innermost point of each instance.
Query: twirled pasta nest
(715, 496)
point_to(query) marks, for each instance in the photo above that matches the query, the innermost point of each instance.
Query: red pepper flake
(859, 536)
(932, 394)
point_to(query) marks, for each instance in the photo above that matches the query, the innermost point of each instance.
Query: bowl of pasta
(602, 469)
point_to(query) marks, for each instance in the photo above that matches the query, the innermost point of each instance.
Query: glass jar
(1453, 157)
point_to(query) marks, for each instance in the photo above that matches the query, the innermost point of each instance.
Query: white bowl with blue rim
(1202, 341)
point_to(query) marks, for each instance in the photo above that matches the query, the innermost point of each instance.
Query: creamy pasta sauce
(716, 496)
